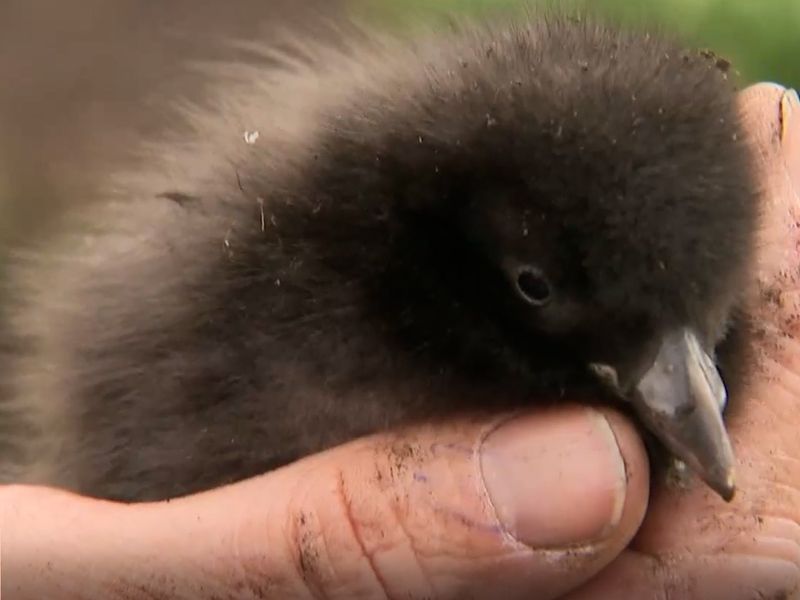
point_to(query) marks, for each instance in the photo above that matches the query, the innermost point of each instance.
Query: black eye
(533, 286)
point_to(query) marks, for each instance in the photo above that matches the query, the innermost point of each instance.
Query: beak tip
(725, 486)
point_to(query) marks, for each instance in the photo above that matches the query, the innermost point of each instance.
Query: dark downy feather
(233, 306)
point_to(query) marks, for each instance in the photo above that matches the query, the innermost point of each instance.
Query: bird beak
(681, 399)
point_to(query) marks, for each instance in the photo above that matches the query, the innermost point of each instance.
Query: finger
(692, 545)
(685, 576)
(535, 504)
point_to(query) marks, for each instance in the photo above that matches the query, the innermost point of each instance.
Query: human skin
(552, 503)
(690, 544)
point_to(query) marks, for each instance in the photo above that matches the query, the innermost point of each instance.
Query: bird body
(377, 233)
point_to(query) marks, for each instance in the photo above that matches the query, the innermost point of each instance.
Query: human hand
(534, 508)
(692, 545)
(441, 511)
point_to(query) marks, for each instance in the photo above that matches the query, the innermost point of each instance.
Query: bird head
(601, 183)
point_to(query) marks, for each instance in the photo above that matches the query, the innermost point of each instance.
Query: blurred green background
(760, 37)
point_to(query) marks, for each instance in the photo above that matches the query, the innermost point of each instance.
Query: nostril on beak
(607, 375)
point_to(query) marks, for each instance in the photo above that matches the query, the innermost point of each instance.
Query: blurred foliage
(760, 37)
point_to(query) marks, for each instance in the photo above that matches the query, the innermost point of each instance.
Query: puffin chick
(379, 232)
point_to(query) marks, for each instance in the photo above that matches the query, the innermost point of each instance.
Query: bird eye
(533, 286)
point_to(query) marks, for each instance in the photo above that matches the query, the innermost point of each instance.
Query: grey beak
(681, 399)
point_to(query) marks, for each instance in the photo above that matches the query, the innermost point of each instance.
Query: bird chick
(381, 232)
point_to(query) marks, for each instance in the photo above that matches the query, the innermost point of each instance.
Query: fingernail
(790, 135)
(556, 479)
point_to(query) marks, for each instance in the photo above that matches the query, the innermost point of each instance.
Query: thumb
(481, 508)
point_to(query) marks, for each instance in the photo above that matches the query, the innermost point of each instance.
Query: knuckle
(330, 558)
